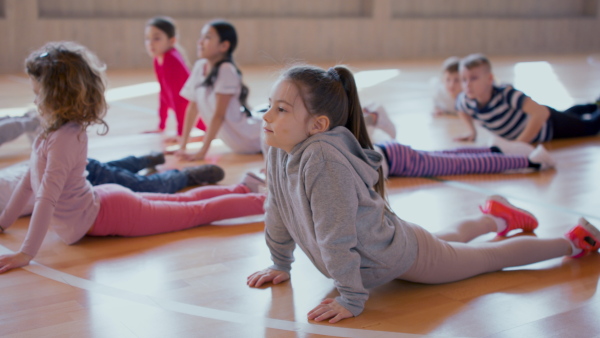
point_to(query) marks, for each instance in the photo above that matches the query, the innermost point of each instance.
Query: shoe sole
(590, 229)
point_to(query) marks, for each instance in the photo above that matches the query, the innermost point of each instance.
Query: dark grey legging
(448, 257)
(577, 121)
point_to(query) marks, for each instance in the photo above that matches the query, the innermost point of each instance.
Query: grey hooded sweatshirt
(321, 198)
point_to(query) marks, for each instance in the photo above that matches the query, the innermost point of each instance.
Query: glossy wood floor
(192, 283)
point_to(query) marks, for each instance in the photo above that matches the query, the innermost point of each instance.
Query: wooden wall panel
(493, 9)
(203, 9)
(312, 33)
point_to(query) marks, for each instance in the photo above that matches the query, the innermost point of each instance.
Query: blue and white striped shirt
(503, 115)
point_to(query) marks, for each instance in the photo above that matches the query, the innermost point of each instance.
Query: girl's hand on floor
(182, 155)
(172, 139)
(13, 261)
(153, 131)
(329, 308)
(267, 275)
(465, 138)
(193, 157)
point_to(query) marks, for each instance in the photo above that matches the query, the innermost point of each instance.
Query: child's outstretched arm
(61, 158)
(334, 202)
(13, 210)
(215, 124)
(191, 114)
(537, 115)
(468, 121)
(19, 198)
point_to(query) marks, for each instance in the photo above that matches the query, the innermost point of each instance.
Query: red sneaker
(515, 218)
(585, 236)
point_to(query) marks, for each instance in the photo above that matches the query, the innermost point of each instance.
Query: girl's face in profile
(210, 46)
(157, 42)
(287, 121)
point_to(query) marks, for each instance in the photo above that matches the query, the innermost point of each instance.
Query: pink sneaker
(585, 236)
(515, 218)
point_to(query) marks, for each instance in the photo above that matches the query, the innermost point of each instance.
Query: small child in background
(171, 71)
(216, 93)
(326, 196)
(68, 81)
(511, 114)
(447, 90)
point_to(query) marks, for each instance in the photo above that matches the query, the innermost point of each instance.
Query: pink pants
(126, 213)
(448, 257)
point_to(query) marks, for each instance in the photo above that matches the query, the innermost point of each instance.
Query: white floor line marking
(201, 311)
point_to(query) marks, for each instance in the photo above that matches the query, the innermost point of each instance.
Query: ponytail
(227, 32)
(212, 77)
(333, 93)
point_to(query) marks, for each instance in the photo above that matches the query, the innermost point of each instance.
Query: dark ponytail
(333, 93)
(227, 32)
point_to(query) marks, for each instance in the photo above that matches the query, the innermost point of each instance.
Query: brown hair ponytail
(333, 93)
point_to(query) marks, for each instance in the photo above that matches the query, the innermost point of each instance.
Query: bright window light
(114, 94)
(539, 81)
(128, 92)
(370, 78)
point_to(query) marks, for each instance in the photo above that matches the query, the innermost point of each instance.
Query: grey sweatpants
(448, 257)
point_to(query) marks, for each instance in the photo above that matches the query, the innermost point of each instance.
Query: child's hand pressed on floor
(267, 275)
(329, 308)
(13, 261)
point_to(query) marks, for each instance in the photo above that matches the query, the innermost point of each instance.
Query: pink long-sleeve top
(64, 199)
(172, 75)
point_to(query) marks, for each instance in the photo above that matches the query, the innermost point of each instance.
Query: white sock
(575, 250)
(500, 223)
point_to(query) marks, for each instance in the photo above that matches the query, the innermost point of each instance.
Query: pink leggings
(127, 213)
(448, 257)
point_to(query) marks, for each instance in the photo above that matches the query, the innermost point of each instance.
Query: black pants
(577, 121)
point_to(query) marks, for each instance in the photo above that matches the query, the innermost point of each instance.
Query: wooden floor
(192, 283)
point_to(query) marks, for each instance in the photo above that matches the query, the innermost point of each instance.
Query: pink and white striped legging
(407, 162)
(127, 213)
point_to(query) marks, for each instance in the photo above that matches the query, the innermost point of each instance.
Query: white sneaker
(542, 157)
(516, 148)
(257, 183)
(383, 119)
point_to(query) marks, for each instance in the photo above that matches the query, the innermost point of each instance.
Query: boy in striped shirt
(511, 114)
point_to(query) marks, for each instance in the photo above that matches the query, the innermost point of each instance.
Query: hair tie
(334, 74)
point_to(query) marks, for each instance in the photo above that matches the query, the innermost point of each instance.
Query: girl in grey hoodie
(326, 195)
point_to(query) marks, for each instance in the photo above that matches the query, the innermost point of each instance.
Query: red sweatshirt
(171, 75)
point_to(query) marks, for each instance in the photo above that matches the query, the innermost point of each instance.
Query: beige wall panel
(334, 33)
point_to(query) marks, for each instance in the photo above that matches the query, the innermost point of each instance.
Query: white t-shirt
(238, 131)
(9, 179)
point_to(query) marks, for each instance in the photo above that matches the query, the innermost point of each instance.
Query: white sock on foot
(500, 223)
(575, 250)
